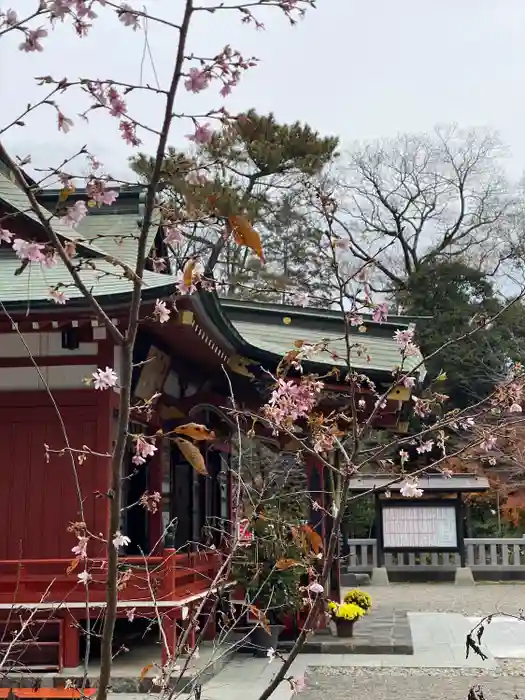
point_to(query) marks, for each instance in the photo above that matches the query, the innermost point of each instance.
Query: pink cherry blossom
(421, 408)
(10, 18)
(6, 235)
(489, 443)
(425, 446)
(159, 264)
(197, 81)
(58, 296)
(172, 235)
(117, 106)
(32, 42)
(97, 191)
(109, 197)
(144, 448)
(290, 401)
(315, 587)
(161, 313)
(64, 123)
(75, 213)
(410, 489)
(403, 338)
(203, 134)
(29, 251)
(380, 312)
(104, 378)
(128, 16)
(61, 8)
(128, 133)
(80, 549)
(408, 382)
(354, 319)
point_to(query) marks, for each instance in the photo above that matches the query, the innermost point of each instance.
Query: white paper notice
(419, 527)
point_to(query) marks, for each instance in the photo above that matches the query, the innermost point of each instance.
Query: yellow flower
(348, 611)
(359, 598)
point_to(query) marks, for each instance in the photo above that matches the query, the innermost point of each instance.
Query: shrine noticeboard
(420, 527)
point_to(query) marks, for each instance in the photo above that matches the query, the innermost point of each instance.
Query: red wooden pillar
(321, 516)
(71, 642)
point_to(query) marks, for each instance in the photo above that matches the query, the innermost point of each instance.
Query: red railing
(170, 577)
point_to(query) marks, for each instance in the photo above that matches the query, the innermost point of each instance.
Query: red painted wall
(38, 499)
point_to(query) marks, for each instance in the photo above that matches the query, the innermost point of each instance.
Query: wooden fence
(483, 555)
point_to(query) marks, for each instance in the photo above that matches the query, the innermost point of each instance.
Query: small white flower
(104, 378)
(315, 587)
(315, 505)
(130, 614)
(270, 654)
(334, 510)
(84, 577)
(185, 612)
(410, 489)
(515, 408)
(120, 540)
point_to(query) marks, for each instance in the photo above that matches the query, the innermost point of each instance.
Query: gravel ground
(481, 599)
(507, 682)
(347, 683)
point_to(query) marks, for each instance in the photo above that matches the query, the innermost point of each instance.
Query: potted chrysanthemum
(345, 615)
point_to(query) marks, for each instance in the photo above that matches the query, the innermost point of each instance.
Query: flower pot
(345, 628)
(261, 640)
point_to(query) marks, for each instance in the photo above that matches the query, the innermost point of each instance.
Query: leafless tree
(413, 199)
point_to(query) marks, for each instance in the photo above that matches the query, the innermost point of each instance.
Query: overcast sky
(358, 70)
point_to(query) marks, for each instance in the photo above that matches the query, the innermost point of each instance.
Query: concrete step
(125, 677)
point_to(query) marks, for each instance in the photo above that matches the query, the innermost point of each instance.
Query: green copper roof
(16, 199)
(34, 283)
(100, 234)
(115, 229)
(383, 353)
(110, 231)
(262, 331)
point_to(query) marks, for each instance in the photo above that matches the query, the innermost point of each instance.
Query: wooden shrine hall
(209, 347)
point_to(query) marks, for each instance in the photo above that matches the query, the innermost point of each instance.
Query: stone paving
(437, 670)
(481, 599)
(387, 631)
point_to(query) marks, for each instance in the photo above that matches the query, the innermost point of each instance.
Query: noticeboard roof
(457, 483)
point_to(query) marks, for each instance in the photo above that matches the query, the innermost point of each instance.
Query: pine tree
(259, 169)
